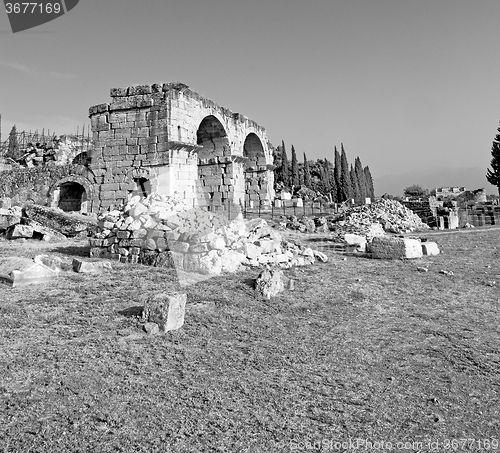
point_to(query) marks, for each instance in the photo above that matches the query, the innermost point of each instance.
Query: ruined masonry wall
(151, 132)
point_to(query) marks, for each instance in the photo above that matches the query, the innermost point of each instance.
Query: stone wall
(42, 184)
(175, 140)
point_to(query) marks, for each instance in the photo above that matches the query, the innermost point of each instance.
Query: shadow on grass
(72, 250)
(132, 312)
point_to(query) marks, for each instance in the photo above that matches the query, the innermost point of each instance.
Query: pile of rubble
(164, 231)
(374, 219)
(41, 223)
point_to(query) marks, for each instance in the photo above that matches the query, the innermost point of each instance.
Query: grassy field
(362, 349)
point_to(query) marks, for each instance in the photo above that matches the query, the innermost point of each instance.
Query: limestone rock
(68, 224)
(232, 260)
(396, 248)
(8, 219)
(430, 248)
(17, 272)
(20, 231)
(151, 328)
(272, 282)
(166, 310)
(91, 266)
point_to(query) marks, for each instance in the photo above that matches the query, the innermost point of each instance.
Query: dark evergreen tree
(356, 190)
(493, 175)
(285, 167)
(295, 168)
(338, 176)
(360, 176)
(345, 177)
(12, 152)
(307, 173)
(369, 182)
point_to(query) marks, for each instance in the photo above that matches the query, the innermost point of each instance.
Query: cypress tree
(13, 145)
(345, 177)
(338, 176)
(285, 167)
(360, 176)
(356, 190)
(493, 175)
(307, 173)
(295, 168)
(369, 182)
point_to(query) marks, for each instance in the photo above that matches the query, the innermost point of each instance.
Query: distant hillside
(471, 177)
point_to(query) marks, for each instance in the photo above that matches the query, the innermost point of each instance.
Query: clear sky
(402, 83)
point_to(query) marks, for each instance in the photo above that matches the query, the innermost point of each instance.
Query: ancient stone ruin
(165, 138)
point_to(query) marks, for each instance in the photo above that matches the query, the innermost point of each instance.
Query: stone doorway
(72, 197)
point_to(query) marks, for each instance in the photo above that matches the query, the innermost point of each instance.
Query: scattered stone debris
(491, 283)
(53, 262)
(468, 225)
(92, 266)
(163, 231)
(18, 272)
(445, 272)
(388, 216)
(422, 269)
(165, 310)
(272, 282)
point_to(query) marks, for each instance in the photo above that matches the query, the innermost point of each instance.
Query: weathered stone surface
(53, 262)
(272, 282)
(90, 266)
(166, 310)
(20, 231)
(44, 233)
(8, 219)
(18, 272)
(211, 263)
(356, 240)
(151, 328)
(396, 248)
(232, 260)
(430, 248)
(67, 224)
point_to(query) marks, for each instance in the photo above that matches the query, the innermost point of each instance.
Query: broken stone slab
(8, 219)
(91, 266)
(396, 248)
(53, 262)
(68, 224)
(430, 248)
(20, 231)
(151, 328)
(166, 310)
(272, 282)
(232, 260)
(320, 256)
(356, 240)
(18, 272)
(44, 233)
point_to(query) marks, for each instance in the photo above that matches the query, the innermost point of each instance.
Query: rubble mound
(391, 214)
(368, 220)
(164, 231)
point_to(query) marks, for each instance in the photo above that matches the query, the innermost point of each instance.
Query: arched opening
(214, 173)
(256, 171)
(253, 149)
(212, 136)
(72, 197)
(81, 159)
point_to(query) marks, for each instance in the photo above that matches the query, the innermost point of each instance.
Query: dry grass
(361, 349)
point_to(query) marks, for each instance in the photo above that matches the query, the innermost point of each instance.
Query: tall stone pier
(166, 138)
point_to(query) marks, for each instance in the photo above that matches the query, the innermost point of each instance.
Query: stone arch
(258, 177)
(72, 193)
(253, 150)
(213, 170)
(212, 136)
(81, 158)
